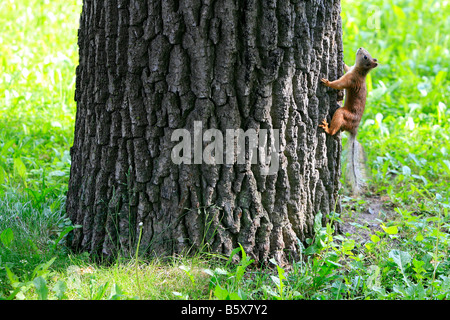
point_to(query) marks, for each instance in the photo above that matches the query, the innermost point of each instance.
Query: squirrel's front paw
(324, 125)
(325, 81)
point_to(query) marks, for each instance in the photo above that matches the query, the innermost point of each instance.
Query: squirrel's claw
(324, 125)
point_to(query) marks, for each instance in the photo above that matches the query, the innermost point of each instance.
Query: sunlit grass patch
(37, 81)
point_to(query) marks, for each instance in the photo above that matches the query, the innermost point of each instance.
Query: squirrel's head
(364, 60)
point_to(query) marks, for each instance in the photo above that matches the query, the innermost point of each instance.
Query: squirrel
(348, 117)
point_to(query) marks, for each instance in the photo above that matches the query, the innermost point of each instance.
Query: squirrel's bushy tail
(356, 170)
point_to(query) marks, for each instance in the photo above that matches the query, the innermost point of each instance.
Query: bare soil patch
(363, 219)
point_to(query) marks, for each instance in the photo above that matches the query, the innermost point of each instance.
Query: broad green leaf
(418, 264)
(60, 288)
(419, 237)
(318, 222)
(117, 293)
(41, 288)
(374, 276)
(233, 253)
(220, 271)
(42, 268)
(281, 273)
(416, 291)
(13, 279)
(390, 230)
(244, 255)
(348, 245)
(276, 280)
(187, 270)
(20, 168)
(374, 238)
(406, 171)
(209, 272)
(6, 146)
(221, 293)
(239, 273)
(401, 258)
(234, 296)
(6, 237)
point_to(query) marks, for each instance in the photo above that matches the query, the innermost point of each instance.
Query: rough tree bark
(148, 67)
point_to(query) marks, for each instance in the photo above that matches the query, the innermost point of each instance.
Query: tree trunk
(150, 67)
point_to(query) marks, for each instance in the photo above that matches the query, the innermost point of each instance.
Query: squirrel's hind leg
(336, 122)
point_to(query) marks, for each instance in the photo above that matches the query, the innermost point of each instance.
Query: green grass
(37, 81)
(406, 123)
(405, 132)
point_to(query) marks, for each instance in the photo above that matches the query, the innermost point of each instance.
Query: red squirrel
(354, 82)
(348, 117)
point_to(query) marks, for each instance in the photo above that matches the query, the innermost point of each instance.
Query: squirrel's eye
(365, 57)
